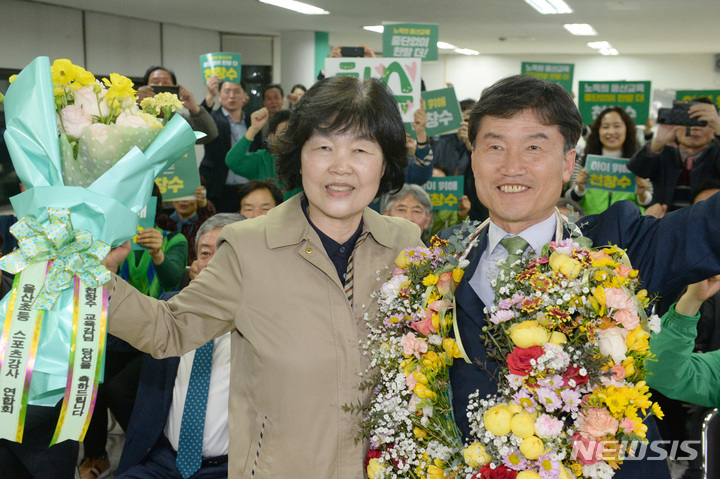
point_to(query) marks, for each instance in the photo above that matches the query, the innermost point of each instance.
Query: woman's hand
(696, 294)
(581, 180)
(116, 256)
(200, 196)
(642, 186)
(152, 239)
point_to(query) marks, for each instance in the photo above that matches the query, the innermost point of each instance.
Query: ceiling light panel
(299, 7)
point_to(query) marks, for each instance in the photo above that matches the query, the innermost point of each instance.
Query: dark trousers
(160, 464)
(33, 458)
(122, 375)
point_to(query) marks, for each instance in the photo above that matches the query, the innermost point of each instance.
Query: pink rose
(86, 99)
(443, 304)
(611, 342)
(586, 450)
(425, 326)
(627, 318)
(597, 422)
(411, 345)
(98, 132)
(74, 120)
(445, 283)
(618, 372)
(616, 298)
(623, 270)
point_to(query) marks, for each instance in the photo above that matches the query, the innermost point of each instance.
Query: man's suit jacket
(213, 168)
(152, 407)
(679, 249)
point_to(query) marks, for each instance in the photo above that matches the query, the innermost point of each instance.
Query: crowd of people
(303, 203)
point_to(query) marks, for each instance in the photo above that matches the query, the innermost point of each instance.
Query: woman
(613, 135)
(293, 287)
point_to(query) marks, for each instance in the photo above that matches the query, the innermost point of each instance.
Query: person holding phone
(675, 171)
(159, 79)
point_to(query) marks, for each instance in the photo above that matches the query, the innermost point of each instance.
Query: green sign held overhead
(443, 111)
(227, 66)
(560, 73)
(180, 180)
(609, 174)
(633, 97)
(686, 95)
(411, 40)
(146, 218)
(445, 192)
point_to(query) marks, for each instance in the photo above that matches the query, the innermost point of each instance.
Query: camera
(166, 89)
(678, 115)
(352, 51)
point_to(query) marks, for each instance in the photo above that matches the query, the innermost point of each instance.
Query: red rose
(372, 454)
(500, 472)
(573, 372)
(519, 360)
(586, 450)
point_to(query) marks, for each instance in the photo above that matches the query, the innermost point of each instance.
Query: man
(257, 197)
(273, 101)
(411, 203)
(189, 214)
(677, 170)
(154, 435)
(523, 132)
(198, 118)
(232, 125)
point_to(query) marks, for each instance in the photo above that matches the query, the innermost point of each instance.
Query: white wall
(471, 74)
(298, 58)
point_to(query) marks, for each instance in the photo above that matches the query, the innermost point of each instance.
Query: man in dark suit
(153, 436)
(524, 132)
(232, 125)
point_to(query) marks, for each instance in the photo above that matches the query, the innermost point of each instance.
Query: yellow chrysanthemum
(430, 279)
(617, 403)
(657, 411)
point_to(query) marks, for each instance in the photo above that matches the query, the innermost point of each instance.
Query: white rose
(86, 99)
(391, 288)
(128, 119)
(98, 132)
(611, 342)
(74, 120)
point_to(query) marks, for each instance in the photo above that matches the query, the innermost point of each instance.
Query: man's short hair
(416, 191)
(551, 104)
(149, 71)
(279, 117)
(253, 185)
(234, 83)
(216, 221)
(467, 104)
(270, 87)
(342, 104)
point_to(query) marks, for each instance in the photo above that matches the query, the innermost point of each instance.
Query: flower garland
(570, 333)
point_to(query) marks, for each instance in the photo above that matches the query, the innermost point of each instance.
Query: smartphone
(352, 51)
(166, 89)
(678, 115)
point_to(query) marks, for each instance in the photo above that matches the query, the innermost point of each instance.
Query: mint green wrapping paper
(107, 208)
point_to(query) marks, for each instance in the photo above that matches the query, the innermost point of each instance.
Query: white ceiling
(489, 26)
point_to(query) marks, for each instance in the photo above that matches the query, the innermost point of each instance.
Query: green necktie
(515, 247)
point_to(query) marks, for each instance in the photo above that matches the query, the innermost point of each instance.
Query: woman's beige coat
(296, 358)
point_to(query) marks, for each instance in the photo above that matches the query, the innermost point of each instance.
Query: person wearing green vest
(260, 164)
(612, 134)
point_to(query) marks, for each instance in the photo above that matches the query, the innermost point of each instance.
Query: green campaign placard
(688, 95)
(445, 191)
(180, 180)
(146, 220)
(443, 111)
(225, 65)
(560, 73)
(632, 96)
(411, 40)
(609, 174)
(402, 75)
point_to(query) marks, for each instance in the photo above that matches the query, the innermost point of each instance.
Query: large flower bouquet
(87, 157)
(569, 330)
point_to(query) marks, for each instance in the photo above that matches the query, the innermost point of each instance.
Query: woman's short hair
(416, 191)
(277, 118)
(340, 104)
(630, 145)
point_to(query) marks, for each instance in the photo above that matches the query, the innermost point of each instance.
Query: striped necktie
(349, 274)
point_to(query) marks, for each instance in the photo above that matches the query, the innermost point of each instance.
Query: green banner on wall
(632, 96)
(560, 73)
